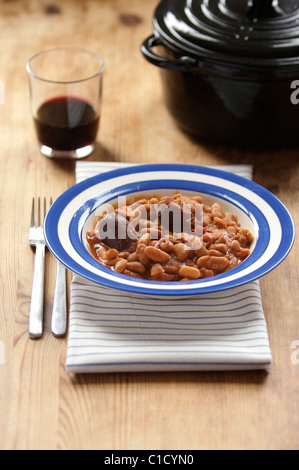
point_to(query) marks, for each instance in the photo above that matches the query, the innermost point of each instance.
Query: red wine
(66, 123)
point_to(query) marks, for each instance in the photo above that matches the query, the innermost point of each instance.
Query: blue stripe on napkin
(115, 331)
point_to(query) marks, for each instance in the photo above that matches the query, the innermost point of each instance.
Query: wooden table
(43, 407)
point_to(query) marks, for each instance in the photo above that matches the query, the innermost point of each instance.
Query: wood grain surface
(43, 407)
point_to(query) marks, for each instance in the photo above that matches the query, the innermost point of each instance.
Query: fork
(36, 239)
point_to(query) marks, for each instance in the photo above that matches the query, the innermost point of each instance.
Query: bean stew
(169, 238)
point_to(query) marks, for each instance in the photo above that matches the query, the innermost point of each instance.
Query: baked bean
(216, 211)
(201, 251)
(190, 262)
(244, 238)
(121, 212)
(222, 247)
(133, 213)
(156, 254)
(244, 253)
(132, 273)
(207, 239)
(248, 235)
(233, 262)
(196, 243)
(136, 266)
(191, 254)
(101, 252)
(111, 254)
(198, 199)
(110, 262)
(207, 220)
(190, 272)
(181, 251)
(157, 270)
(133, 257)
(213, 252)
(217, 263)
(235, 246)
(172, 266)
(142, 201)
(203, 260)
(230, 219)
(165, 245)
(145, 223)
(167, 277)
(141, 255)
(154, 200)
(220, 222)
(120, 265)
(154, 233)
(145, 239)
(231, 231)
(206, 272)
(216, 234)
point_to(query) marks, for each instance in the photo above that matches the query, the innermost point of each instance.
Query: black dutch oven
(230, 69)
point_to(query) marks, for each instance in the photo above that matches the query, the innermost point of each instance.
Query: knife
(59, 313)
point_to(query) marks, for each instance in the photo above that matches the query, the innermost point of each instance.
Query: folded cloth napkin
(115, 331)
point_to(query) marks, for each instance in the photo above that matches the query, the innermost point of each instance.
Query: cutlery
(59, 313)
(36, 240)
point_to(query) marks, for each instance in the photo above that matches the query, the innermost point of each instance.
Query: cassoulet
(173, 238)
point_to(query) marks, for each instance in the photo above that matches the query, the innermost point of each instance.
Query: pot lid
(248, 32)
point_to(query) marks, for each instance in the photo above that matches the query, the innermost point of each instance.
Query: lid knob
(263, 9)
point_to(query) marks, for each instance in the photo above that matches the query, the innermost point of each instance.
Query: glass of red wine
(66, 94)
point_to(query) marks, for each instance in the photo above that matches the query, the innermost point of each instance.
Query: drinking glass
(66, 94)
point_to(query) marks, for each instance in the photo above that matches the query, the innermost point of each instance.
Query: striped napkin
(115, 331)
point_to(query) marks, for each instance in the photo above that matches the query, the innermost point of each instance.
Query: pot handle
(183, 64)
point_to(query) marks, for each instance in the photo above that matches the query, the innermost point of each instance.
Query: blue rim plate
(257, 209)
